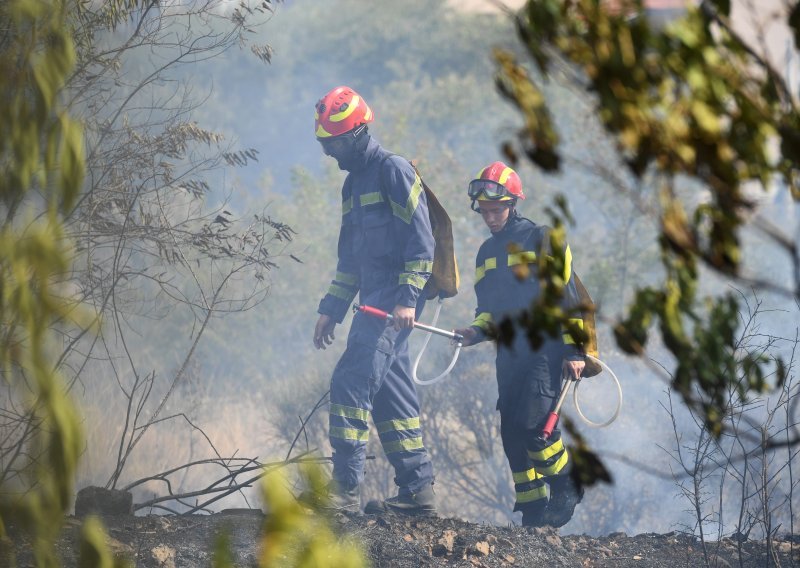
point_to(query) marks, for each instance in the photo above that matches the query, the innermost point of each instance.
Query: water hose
(459, 339)
(552, 418)
(619, 397)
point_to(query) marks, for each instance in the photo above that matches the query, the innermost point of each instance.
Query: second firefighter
(529, 380)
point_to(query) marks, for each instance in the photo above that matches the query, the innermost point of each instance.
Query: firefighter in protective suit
(385, 254)
(529, 381)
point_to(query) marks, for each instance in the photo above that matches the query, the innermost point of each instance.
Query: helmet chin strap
(361, 139)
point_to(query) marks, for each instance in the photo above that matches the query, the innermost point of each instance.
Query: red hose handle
(370, 311)
(550, 425)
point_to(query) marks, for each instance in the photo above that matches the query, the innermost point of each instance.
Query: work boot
(532, 514)
(564, 497)
(333, 499)
(411, 504)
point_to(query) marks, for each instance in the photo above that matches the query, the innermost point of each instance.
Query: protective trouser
(529, 384)
(373, 377)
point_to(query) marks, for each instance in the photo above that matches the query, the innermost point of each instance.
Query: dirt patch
(399, 542)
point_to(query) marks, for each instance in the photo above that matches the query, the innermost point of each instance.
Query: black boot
(412, 504)
(532, 513)
(564, 497)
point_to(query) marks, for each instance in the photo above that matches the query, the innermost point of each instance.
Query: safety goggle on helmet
(496, 182)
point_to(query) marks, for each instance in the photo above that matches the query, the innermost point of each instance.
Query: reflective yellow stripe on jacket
(488, 264)
(483, 321)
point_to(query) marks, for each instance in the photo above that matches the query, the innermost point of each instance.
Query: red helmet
(340, 111)
(496, 182)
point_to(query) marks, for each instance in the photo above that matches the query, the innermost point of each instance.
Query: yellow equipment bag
(444, 279)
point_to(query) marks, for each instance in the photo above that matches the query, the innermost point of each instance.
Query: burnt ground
(399, 542)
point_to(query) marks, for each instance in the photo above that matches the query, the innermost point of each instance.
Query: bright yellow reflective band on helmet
(370, 198)
(483, 320)
(405, 213)
(367, 114)
(341, 293)
(522, 257)
(351, 107)
(488, 264)
(322, 133)
(398, 425)
(412, 279)
(567, 265)
(532, 494)
(504, 176)
(556, 467)
(548, 452)
(419, 266)
(525, 476)
(402, 445)
(346, 278)
(349, 434)
(350, 412)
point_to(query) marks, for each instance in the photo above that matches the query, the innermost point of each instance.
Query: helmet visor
(490, 189)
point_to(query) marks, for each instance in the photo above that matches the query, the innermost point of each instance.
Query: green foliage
(587, 467)
(93, 549)
(42, 149)
(37, 137)
(293, 537)
(538, 137)
(222, 557)
(689, 101)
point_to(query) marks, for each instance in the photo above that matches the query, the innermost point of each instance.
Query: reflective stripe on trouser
(531, 481)
(373, 377)
(528, 390)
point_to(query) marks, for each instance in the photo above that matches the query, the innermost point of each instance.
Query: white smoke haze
(245, 386)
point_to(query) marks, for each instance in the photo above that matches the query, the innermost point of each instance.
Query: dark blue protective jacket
(500, 290)
(385, 241)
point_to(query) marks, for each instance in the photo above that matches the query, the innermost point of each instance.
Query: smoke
(426, 71)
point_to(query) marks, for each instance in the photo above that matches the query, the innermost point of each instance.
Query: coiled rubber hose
(436, 379)
(418, 358)
(619, 397)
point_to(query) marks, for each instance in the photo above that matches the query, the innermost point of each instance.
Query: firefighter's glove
(572, 369)
(468, 333)
(403, 317)
(323, 332)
